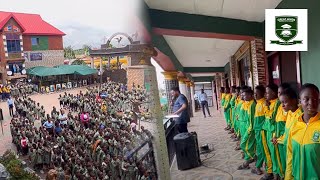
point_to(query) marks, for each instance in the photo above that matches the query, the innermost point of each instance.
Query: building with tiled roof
(26, 40)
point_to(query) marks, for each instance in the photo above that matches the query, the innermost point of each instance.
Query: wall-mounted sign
(35, 56)
(275, 74)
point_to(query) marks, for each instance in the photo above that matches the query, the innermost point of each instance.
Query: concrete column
(170, 80)
(144, 73)
(218, 86)
(183, 86)
(193, 103)
(101, 65)
(258, 63)
(92, 62)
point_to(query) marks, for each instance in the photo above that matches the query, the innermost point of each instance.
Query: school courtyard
(48, 101)
(220, 164)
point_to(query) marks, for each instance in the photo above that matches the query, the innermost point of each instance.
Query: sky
(84, 22)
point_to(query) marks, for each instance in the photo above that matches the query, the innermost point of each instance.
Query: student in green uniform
(289, 103)
(238, 116)
(222, 96)
(234, 113)
(303, 157)
(268, 127)
(227, 108)
(280, 122)
(232, 106)
(247, 143)
(257, 127)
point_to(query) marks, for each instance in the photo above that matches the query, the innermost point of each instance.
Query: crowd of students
(275, 127)
(94, 140)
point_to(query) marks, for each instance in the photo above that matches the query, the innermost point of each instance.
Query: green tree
(69, 53)
(78, 62)
(86, 49)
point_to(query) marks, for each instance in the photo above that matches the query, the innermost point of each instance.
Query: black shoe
(267, 177)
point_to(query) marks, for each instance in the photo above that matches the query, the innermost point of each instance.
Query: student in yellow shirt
(234, 113)
(259, 118)
(232, 105)
(222, 96)
(247, 143)
(237, 117)
(268, 127)
(289, 103)
(303, 152)
(279, 161)
(227, 108)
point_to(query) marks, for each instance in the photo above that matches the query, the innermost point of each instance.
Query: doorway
(284, 67)
(244, 71)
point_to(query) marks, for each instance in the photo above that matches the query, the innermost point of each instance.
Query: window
(13, 46)
(35, 41)
(13, 43)
(9, 28)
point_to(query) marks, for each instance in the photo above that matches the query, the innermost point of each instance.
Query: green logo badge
(316, 136)
(286, 30)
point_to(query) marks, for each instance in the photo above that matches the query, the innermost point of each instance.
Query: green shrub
(14, 167)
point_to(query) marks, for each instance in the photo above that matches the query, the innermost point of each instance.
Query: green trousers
(247, 143)
(259, 149)
(267, 155)
(227, 116)
(280, 152)
(272, 151)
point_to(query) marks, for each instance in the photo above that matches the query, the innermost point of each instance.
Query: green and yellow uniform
(303, 157)
(223, 95)
(280, 148)
(237, 116)
(247, 143)
(291, 119)
(232, 107)
(227, 109)
(268, 133)
(259, 118)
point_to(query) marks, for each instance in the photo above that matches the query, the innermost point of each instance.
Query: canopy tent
(42, 71)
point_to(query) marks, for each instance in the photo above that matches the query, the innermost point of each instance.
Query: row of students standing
(275, 128)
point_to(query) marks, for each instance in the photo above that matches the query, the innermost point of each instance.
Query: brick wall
(136, 76)
(233, 71)
(55, 43)
(258, 62)
(50, 58)
(27, 43)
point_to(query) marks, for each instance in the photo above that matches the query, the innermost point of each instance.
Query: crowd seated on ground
(88, 138)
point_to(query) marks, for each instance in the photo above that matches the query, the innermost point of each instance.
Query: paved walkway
(222, 163)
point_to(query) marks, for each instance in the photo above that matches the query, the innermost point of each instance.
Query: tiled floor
(222, 163)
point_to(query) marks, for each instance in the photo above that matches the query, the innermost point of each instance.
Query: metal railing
(144, 152)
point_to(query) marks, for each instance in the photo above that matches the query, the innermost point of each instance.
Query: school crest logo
(316, 136)
(286, 29)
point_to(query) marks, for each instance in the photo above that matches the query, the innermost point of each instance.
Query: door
(274, 68)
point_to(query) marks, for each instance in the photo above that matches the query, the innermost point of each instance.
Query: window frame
(37, 39)
(13, 46)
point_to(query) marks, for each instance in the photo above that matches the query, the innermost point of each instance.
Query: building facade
(26, 40)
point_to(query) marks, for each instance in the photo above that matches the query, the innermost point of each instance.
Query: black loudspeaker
(1, 115)
(187, 151)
